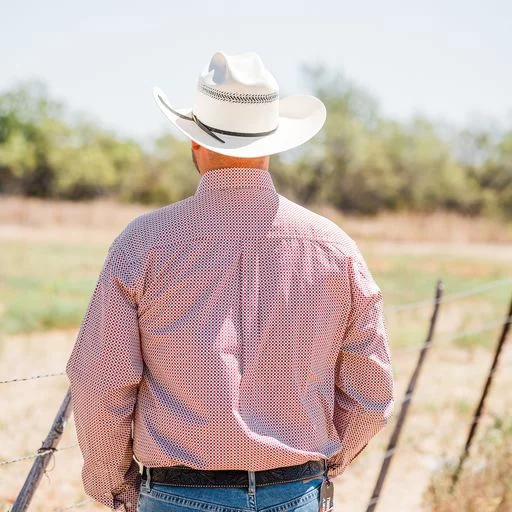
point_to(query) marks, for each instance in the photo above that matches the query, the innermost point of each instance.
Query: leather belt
(191, 477)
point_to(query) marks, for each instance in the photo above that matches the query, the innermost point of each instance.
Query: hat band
(236, 97)
(209, 129)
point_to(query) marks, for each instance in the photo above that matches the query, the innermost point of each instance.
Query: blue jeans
(303, 496)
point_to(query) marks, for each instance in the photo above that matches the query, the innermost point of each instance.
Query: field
(52, 253)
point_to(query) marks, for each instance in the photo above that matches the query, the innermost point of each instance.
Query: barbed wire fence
(38, 454)
(462, 294)
(49, 445)
(406, 402)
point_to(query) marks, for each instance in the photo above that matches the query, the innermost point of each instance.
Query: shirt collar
(234, 177)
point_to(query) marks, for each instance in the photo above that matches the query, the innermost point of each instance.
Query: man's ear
(195, 145)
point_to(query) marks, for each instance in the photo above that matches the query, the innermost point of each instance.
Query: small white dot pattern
(237, 330)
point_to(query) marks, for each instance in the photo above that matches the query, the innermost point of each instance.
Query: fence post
(405, 403)
(481, 403)
(38, 467)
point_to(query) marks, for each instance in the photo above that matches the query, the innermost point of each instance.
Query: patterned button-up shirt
(236, 329)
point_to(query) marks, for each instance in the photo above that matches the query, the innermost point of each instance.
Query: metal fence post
(405, 403)
(38, 467)
(478, 412)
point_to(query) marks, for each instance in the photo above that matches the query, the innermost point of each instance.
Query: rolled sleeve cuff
(126, 500)
(122, 498)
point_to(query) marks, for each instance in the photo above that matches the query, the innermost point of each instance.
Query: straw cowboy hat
(237, 110)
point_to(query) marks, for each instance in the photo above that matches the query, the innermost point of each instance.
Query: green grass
(406, 278)
(48, 286)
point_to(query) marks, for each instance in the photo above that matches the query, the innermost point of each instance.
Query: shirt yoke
(176, 223)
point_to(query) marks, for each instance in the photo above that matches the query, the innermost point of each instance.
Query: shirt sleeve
(104, 370)
(364, 385)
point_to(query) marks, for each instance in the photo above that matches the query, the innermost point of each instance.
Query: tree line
(361, 162)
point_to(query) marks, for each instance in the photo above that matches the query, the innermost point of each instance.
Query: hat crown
(239, 72)
(236, 94)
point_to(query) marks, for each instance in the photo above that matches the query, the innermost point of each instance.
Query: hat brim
(300, 118)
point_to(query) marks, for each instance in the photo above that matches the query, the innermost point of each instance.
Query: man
(240, 332)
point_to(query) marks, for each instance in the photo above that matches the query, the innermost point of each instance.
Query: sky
(447, 59)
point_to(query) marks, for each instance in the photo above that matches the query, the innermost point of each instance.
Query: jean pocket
(184, 499)
(305, 499)
(317, 480)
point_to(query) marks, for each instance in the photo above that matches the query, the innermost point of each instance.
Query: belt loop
(148, 479)
(252, 482)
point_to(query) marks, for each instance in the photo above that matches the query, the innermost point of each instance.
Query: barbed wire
(38, 454)
(453, 335)
(20, 379)
(74, 505)
(451, 297)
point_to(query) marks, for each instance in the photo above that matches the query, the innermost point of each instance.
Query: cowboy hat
(237, 110)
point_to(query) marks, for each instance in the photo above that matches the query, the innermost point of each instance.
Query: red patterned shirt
(236, 329)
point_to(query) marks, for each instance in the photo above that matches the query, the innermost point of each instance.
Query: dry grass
(29, 215)
(485, 484)
(36, 219)
(23, 211)
(422, 227)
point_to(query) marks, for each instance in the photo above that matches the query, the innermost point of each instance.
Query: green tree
(24, 144)
(167, 176)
